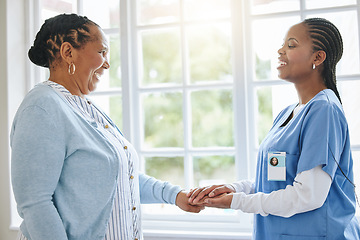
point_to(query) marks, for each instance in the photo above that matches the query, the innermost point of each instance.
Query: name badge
(276, 166)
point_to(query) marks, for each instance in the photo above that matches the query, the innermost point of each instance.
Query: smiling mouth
(282, 63)
(97, 75)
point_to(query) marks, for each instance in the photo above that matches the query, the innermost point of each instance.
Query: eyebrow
(293, 39)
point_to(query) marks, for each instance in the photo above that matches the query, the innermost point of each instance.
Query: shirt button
(134, 208)
(131, 177)
(125, 147)
(106, 126)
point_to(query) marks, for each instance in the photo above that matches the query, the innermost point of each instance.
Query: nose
(106, 65)
(281, 51)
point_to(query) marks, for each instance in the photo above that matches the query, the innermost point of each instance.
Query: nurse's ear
(319, 58)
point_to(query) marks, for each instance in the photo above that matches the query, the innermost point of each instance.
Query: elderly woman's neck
(68, 81)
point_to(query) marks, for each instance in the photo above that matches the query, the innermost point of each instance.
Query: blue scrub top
(317, 135)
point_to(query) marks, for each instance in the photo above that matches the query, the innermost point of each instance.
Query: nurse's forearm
(308, 192)
(245, 186)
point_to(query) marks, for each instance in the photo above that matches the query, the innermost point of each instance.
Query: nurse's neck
(306, 91)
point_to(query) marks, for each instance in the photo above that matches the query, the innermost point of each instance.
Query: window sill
(193, 235)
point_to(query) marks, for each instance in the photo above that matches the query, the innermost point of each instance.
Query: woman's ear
(66, 52)
(320, 57)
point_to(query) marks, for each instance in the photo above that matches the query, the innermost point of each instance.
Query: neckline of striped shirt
(83, 104)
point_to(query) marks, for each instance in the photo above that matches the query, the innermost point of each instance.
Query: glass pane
(210, 53)
(349, 93)
(270, 101)
(206, 9)
(311, 4)
(51, 8)
(163, 125)
(170, 169)
(347, 23)
(212, 118)
(112, 106)
(157, 11)
(106, 13)
(209, 170)
(267, 37)
(115, 61)
(161, 57)
(274, 6)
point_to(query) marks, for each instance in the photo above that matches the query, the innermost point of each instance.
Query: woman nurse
(309, 194)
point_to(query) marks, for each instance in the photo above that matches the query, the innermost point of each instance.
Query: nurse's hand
(182, 201)
(198, 195)
(222, 201)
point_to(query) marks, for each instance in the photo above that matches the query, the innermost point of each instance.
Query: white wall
(12, 80)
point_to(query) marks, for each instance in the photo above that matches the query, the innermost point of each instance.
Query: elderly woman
(74, 174)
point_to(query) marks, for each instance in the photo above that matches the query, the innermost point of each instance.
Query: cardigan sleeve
(38, 153)
(156, 191)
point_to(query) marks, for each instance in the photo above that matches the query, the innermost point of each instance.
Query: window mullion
(240, 94)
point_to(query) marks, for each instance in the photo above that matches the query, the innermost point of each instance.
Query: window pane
(112, 106)
(163, 125)
(347, 23)
(311, 4)
(349, 93)
(210, 170)
(158, 11)
(206, 9)
(115, 61)
(212, 118)
(161, 57)
(51, 8)
(274, 6)
(169, 169)
(270, 101)
(210, 52)
(267, 37)
(106, 13)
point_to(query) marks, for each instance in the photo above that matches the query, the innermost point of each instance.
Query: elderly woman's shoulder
(42, 96)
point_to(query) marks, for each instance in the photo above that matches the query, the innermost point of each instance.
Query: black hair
(326, 37)
(62, 28)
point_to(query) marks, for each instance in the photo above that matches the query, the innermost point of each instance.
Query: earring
(71, 69)
(313, 65)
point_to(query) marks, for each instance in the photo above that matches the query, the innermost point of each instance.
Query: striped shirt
(124, 222)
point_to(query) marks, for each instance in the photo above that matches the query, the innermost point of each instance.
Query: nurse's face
(296, 55)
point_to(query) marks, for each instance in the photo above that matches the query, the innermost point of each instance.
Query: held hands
(219, 196)
(182, 201)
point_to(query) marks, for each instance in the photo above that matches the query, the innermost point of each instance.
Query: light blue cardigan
(64, 171)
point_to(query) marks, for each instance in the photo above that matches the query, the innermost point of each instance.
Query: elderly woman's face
(91, 61)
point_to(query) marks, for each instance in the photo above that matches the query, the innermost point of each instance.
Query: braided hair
(326, 37)
(62, 28)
